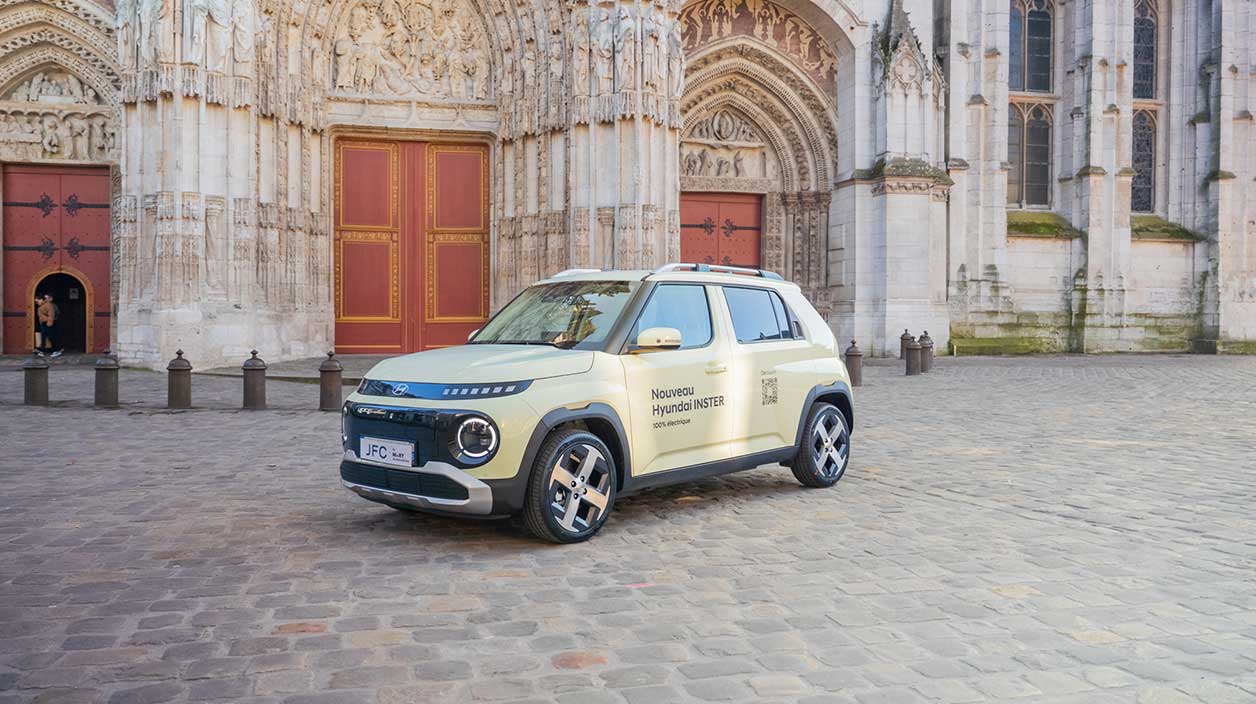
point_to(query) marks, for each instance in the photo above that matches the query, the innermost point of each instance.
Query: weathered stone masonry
(898, 146)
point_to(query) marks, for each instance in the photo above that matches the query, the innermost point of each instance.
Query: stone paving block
(1012, 549)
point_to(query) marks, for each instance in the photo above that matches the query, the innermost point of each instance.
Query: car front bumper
(436, 487)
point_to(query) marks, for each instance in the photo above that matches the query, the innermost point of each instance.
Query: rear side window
(680, 306)
(758, 314)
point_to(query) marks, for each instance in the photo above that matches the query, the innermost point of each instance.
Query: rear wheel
(572, 487)
(825, 450)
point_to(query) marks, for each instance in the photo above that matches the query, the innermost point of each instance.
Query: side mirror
(658, 339)
(472, 334)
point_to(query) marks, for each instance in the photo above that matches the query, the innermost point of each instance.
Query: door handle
(716, 368)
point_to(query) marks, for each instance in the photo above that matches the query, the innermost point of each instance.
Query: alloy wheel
(830, 443)
(579, 488)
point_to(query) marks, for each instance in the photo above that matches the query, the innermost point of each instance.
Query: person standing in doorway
(48, 314)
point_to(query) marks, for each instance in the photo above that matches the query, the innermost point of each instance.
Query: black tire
(825, 451)
(570, 461)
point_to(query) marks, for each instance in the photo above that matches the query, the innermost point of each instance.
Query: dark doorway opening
(70, 297)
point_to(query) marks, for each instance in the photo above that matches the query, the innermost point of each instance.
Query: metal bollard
(179, 382)
(902, 344)
(926, 353)
(854, 364)
(254, 383)
(107, 381)
(35, 383)
(913, 357)
(330, 374)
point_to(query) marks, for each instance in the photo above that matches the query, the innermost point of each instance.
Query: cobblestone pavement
(1056, 529)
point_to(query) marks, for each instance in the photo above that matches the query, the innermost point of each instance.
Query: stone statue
(652, 53)
(580, 47)
(243, 29)
(126, 34)
(78, 128)
(156, 38)
(604, 52)
(676, 61)
(739, 166)
(625, 50)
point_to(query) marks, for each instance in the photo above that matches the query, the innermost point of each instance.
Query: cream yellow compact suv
(591, 385)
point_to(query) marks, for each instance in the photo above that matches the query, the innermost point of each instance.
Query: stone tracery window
(1029, 155)
(1145, 49)
(1031, 34)
(1148, 93)
(1143, 189)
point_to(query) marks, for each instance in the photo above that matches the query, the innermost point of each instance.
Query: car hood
(477, 364)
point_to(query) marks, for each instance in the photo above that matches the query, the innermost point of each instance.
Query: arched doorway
(759, 147)
(70, 296)
(55, 220)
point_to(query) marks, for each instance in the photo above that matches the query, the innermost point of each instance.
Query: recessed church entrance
(69, 295)
(721, 228)
(56, 240)
(411, 244)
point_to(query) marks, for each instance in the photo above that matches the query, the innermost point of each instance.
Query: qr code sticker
(769, 391)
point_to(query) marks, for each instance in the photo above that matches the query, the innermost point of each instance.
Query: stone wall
(876, 131)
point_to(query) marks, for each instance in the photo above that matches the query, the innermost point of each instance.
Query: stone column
(211, 123)
(1231, 183)
(623, 180)
(907, 182)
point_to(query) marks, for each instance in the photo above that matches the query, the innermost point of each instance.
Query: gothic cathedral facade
(379, 176)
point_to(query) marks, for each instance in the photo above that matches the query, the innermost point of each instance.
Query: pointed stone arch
(784, 90)
(58, 82)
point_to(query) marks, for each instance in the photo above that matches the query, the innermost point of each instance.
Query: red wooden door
(56, 239)
(721, 228)
(411, 244)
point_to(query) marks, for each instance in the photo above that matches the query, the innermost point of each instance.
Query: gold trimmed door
(411, 244)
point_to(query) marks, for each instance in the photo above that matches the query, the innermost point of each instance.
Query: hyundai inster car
(592, 385)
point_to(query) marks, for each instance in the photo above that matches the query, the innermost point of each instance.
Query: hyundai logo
(400, 389)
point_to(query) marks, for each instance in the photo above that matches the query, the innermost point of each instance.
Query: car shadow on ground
(646, 510)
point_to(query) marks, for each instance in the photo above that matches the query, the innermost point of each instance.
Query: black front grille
(434, 486)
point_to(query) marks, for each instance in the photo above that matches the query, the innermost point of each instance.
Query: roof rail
(718, 268)
(573, 272)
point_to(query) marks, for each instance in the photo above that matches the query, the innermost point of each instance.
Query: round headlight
(476, 438)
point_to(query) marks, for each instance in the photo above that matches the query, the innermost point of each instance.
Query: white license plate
(394, 452)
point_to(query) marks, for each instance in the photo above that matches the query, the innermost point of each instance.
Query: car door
(679, 399)
(772, 369)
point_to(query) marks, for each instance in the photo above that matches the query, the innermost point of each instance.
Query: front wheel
(572, 487)
(825, 450)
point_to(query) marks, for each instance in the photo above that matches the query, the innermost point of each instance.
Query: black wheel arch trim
(508, 494)
(839, 388)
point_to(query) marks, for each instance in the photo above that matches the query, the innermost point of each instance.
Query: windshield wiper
(517, 342)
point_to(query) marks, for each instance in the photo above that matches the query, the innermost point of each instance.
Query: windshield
(570, 315)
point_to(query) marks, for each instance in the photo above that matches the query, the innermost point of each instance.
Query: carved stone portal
(726, 145)
(712, 20)
(416, 49)
(53, 114)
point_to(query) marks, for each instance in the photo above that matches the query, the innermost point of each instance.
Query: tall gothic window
(1031, 35)
(1145, 36)
(1029, 155)
(1143, 189)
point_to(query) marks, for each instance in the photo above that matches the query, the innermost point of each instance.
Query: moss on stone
(1001, 345)
(1236, 346)
(1150, 227)
(1038, 223)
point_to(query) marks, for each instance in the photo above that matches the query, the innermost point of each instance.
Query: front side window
(680, 306)
(568, 315)
(758, 314)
